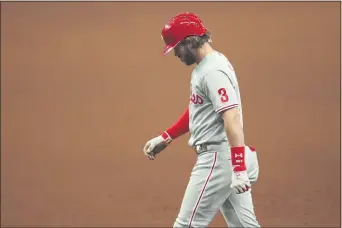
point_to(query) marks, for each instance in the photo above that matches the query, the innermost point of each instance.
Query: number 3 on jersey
(223, 93)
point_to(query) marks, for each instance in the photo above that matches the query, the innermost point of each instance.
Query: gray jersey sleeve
(220, 91)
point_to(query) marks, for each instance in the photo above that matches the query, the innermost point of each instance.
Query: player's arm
(233, 127)
(159, 143)
(220, 91)
(234, 131)
(179, 128)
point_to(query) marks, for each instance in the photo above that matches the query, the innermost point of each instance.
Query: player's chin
(188, 63)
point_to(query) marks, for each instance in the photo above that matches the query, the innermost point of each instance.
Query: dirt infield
(84, 85)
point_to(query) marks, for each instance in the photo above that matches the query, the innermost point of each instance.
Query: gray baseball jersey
(213, 89)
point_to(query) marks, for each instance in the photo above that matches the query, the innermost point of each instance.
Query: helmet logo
(187, 22)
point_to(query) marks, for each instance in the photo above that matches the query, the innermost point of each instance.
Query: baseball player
(225, 168)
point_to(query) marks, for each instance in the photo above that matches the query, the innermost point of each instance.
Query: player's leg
(252, 164)
(207, 190)
(238, 209)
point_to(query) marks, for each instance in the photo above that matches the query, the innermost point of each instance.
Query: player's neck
(202, 52)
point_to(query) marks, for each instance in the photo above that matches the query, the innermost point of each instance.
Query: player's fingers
(150, 148)
(233, 186)
(247, 187)
(236, 189)
(239, 189)
(243, 188)
(147, 148)
(152, 156)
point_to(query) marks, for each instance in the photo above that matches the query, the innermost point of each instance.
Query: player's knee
(244, 221)
(248, 219)
(251, 223)
(179, 223)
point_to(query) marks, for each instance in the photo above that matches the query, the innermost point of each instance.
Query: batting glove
(156, 145)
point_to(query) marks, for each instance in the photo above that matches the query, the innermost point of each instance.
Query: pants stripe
(203, 189)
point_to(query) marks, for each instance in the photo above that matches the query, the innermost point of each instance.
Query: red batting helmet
(179, 27)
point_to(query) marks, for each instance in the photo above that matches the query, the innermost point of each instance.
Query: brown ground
(84, 86)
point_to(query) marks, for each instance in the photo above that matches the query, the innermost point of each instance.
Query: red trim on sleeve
(180, 127)
(226, 107)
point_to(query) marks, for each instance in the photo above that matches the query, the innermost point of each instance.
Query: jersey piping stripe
(226, 107)
(203, 189)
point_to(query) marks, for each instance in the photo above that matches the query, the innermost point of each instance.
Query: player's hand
(156, 145)
(240, 181)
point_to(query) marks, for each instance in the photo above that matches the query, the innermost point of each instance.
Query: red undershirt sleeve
(180, 127)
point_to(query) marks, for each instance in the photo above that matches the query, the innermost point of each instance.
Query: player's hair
(197, 41)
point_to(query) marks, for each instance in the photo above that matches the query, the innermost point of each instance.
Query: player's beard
(189, 56)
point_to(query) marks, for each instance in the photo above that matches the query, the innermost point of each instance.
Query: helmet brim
(167, 49)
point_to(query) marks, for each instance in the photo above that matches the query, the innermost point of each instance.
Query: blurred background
(84, 86)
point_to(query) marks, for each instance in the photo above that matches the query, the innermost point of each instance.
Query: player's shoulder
(214, 62)
(218, 66)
